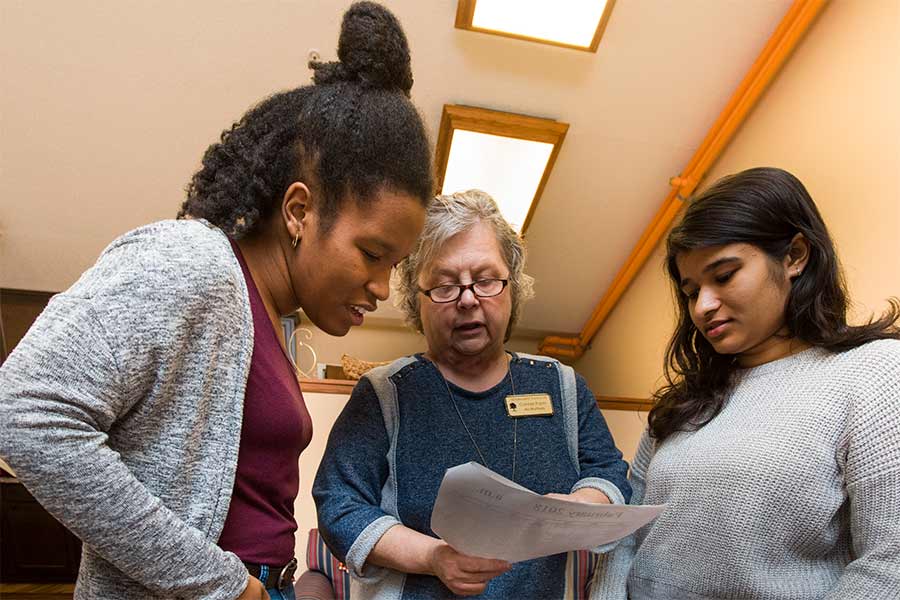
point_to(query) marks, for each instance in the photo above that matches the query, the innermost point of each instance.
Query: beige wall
(324, 410)
(831, 118)
(626, 427)
(107, 107)
(378, 342)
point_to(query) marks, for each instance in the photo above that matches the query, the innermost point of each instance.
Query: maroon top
(276, 428)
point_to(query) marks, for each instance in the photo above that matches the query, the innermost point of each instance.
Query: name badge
(529, 405)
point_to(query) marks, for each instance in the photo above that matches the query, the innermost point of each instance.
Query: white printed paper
(480, 513)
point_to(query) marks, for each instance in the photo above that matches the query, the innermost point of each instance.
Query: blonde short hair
(447, 216)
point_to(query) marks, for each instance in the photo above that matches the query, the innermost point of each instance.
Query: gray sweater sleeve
(350, 481)
(869, 456)
(63, 390)
(610, 580)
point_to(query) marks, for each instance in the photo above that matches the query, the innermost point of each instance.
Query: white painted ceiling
(106, 108)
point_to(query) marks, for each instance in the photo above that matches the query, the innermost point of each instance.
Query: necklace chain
(469, 433)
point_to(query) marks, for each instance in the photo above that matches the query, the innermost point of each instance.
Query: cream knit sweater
(791, 492)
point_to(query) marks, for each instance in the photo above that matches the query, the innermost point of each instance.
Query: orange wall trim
(795, 23)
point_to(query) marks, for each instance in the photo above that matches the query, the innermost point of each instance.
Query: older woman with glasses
(408, 422)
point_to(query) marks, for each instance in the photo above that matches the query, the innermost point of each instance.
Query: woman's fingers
(465, 575)
(558, 496)
(468, 589)
(476, 577)
(474, 564)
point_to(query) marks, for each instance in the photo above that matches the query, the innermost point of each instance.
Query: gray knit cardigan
(121, 412)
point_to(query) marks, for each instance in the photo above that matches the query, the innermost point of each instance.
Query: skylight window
(571, 23)
(509, 156)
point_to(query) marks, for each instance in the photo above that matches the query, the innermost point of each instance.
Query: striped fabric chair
(327, 577)
(313, 585)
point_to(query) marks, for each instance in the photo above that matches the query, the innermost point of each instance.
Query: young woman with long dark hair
(775, 443)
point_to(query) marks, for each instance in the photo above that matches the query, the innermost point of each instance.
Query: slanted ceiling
(106, 111)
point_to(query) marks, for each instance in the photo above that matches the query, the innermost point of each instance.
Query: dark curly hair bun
(352, 133)
(372, 50)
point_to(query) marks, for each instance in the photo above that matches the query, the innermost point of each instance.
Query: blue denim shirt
(387, 454)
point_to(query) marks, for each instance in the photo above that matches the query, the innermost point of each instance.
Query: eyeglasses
(483, 288)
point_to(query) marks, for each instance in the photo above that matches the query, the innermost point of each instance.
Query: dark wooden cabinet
(18, 310)
(34, 547)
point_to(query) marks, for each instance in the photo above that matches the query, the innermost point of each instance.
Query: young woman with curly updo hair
(775, 444)
(152, 407)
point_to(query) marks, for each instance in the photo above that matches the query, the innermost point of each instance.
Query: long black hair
(351, 133)
(765, 207)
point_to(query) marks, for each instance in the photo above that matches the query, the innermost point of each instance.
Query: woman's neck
(776, 347)
(474, 373)
(269, 276)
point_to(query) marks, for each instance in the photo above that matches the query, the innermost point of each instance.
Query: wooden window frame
(465, 12)
(505, 124)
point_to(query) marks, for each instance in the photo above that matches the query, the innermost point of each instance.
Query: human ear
(294, 210)
(797, 256)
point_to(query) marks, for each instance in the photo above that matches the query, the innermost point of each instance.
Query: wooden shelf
(327, 386)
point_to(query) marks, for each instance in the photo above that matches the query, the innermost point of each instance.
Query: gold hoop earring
(296, 240)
